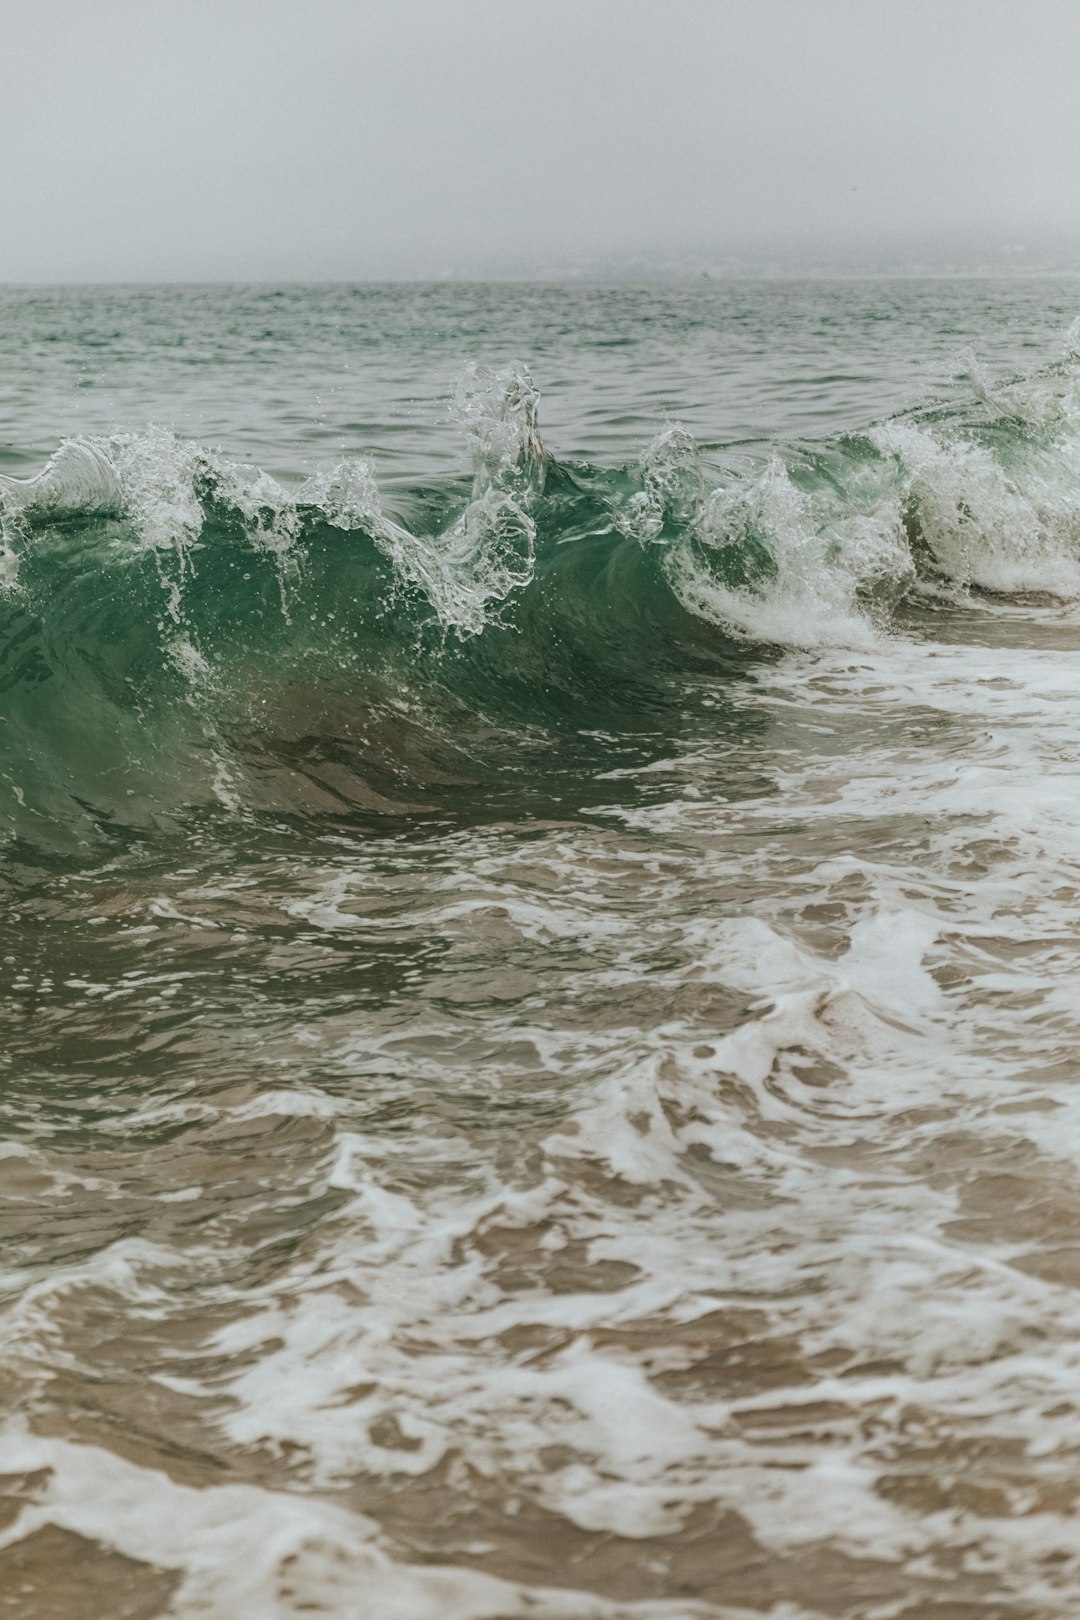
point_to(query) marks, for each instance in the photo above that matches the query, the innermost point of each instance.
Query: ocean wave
(178, 627)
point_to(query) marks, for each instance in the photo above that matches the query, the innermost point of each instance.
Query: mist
(273, 139)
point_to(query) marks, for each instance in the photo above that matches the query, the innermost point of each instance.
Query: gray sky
(173, 139)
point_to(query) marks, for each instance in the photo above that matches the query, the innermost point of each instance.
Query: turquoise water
(538, 950)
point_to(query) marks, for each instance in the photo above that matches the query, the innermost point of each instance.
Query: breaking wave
(178, 628)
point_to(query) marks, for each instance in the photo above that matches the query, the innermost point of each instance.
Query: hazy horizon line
(599, 278)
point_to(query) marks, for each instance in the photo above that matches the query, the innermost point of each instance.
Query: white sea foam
(761, 558)
(987, 527)
(779, 1227)
(812, 572)
(734, 1263)
(245, 1551)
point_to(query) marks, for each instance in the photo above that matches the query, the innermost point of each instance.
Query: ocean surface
(540, 1062)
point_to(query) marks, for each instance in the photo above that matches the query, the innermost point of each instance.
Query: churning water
(541, 977)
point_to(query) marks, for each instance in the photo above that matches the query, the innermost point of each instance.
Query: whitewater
(541, 857)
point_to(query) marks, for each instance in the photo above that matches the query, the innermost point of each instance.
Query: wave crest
(180, 627)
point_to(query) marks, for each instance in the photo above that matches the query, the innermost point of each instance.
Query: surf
(180, 628)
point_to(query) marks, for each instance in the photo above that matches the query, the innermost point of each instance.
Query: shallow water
(539, 953)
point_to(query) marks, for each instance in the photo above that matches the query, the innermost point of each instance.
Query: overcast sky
(189, 139)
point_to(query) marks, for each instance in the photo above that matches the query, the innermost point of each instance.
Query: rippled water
(539, 952)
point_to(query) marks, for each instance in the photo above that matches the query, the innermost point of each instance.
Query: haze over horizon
(270, 140)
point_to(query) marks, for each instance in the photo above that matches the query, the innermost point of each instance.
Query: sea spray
(544, 595)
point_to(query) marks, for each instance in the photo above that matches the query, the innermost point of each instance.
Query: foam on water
(658, 1204)
(746, 1272)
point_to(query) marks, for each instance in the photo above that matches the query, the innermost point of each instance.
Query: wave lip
(80, 477)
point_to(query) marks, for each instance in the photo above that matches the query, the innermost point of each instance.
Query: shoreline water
(540, 1047)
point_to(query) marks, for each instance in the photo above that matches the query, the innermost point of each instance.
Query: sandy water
(593, 1131)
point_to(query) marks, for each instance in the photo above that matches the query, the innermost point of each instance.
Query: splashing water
(539, 973)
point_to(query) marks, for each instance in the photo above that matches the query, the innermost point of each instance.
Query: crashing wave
(1004, 530)
(178, 626)
(166, 488)
(769, 563)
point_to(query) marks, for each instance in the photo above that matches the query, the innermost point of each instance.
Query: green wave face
(136, 680)
(177, 630)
